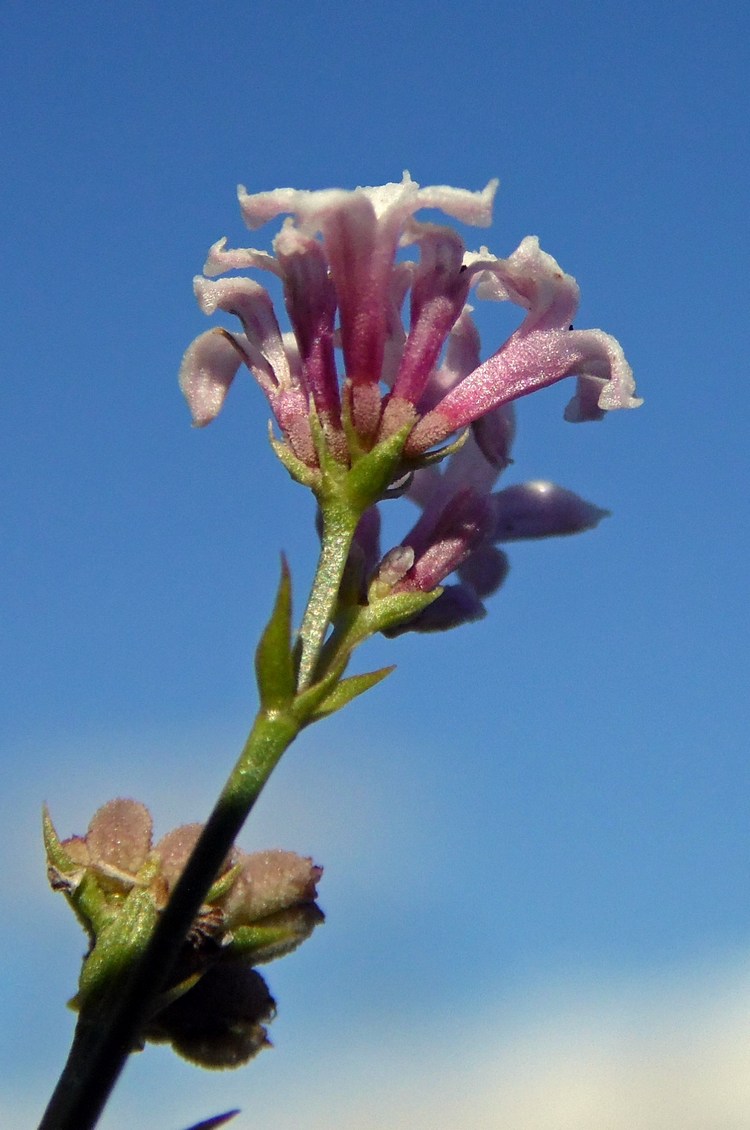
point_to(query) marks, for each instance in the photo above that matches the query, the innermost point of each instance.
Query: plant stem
(103, 1041)
(339, 523)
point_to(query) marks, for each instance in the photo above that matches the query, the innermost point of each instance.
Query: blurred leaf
(212, 1123)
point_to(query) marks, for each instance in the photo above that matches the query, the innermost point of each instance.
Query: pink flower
(344, 288)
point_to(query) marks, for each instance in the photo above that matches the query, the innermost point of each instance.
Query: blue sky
(535, 834)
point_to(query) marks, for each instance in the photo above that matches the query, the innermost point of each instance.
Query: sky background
(536, 833)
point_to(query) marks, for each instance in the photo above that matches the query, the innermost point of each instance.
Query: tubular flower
(344, 289)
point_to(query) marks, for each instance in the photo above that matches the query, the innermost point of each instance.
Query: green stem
(103, 1041)
(339, 523)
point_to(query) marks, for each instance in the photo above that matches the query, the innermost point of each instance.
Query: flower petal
(252, 304)
(208, 369)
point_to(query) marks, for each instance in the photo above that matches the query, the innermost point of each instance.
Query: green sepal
(300, 472)
(275, 936)
(88, 900)
(373, 472)
(274, 660)
(430, 458)
(119, 943)
(349, 689)
(56, 853)
(392, 610)
(223, 885)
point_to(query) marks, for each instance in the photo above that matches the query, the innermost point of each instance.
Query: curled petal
(541, 510)
(208, 369)
(221, 259)
(533, 279)
(251, 303)
(361, 232)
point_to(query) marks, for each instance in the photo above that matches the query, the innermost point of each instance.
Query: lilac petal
(474, 208)
(469, 467)
(251, 303)
(461, 358)
(461, 354)
(208, 369)
(361, 231)
(395, 336)
(541, 510)
(311, 304)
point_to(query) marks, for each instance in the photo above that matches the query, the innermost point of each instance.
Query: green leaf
(349, 689)
(274, 661)
(372, 474)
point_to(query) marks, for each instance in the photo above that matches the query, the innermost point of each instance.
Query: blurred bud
(219, 1023)
(260, 907)
(540, 509)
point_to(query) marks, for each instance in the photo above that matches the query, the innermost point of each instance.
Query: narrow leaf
(274, 663)
(349, 689)
(56, 854)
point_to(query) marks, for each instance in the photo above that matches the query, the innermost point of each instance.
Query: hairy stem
(339, 524)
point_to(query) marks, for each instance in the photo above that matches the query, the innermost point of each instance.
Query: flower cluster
(337, 252)
(345, 285)
(260, 907)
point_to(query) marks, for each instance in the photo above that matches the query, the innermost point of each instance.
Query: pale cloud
(662, 1053)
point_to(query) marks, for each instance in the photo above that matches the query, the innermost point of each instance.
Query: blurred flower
(260, 907)
(336, 254)
(463, 521)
